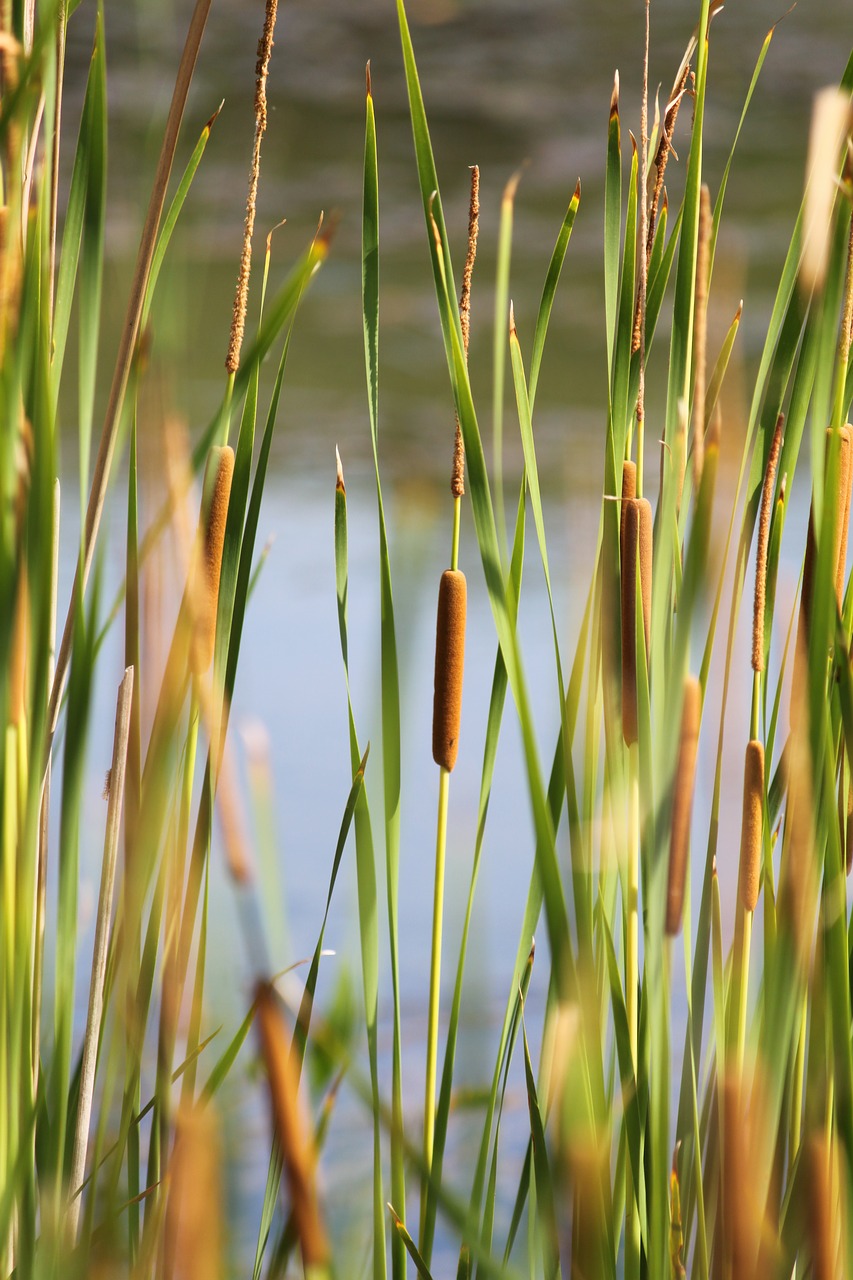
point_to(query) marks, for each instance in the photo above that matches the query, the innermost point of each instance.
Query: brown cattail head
(193, 1234)
(291, 1129)
(763, 543)
(637, 552)
(19, 650)
(682, 802)
(212, 539)
(449, 667)
(749, 881)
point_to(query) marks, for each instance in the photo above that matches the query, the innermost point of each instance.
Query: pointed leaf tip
(614, 97)
(368, 80)
(339, 476)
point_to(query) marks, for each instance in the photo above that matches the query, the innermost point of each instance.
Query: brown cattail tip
(20, 646)
(449, 667)
(636, 546)
(221, 468)
(294, 1139)
(457, 475)
(629, 481)
(763, 543)
(751, 826)
(682, 802)
(821, 1230)
(470, 257)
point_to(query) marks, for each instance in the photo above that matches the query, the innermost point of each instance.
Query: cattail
(18, 654)
(763, 543)
(703, 264)
(820, 1208)
(737, 1219)
(221, 468)
(241, 296)
(637, 541)
(629, 491)
(682, 802)
(457, 477)
(749, 881)
(294, 1139)
(193, 1233)
(449, 667)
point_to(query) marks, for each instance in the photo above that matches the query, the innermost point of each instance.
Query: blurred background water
(510, 85)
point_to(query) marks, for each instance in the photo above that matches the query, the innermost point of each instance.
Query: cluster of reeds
(110, 1158)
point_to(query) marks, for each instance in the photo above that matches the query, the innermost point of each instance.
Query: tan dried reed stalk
(449, 667)
(700, 330)
(205, 590)
(830, 123)
(682, 802)
(765, 512)
(457, 476)
(749, 879)
(821, 1208)
(241, 296)
(740, 1228)
(637, 525)
(193, 1226)
(291, 1128)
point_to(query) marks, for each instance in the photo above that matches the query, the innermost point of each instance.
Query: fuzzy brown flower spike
(457, 478)
(763, 542)
(241, 297)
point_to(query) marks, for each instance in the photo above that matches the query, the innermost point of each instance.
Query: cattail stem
(703, 265)
(632, 977)
(682, 803)
(435, 969)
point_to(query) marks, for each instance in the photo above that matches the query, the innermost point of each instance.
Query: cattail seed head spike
(682, 802)
(206, 590)
(449, 667)
(749, 880)
(637, 547)
(763, 543)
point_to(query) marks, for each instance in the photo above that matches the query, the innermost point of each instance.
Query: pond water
(508, 84)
